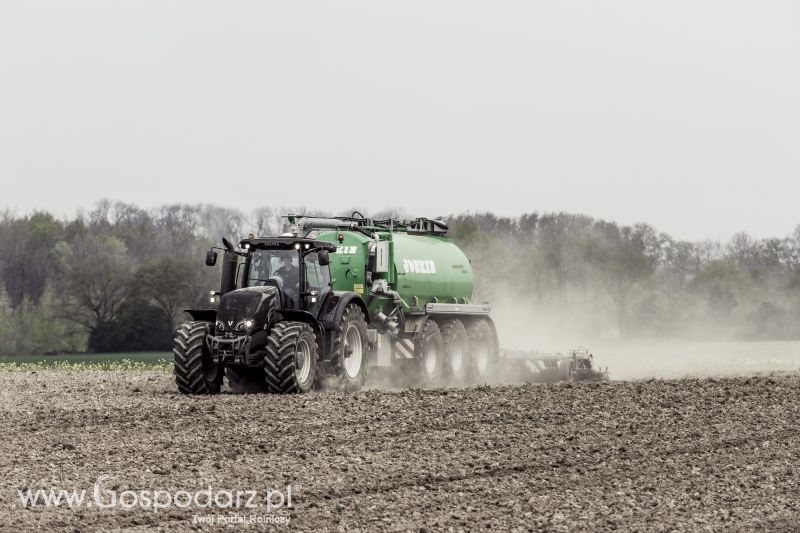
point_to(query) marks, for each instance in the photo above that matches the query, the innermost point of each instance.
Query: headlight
(244, 325)
(219, 325)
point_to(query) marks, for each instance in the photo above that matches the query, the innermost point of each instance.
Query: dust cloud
(559, 327)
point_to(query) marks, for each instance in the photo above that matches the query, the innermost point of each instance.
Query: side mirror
(211, 258)
(323, 258)
(227, 244)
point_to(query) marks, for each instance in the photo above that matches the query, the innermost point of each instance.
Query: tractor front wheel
(290, 364)
(194, 371)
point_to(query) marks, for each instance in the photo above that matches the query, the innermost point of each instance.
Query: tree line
(117, 278)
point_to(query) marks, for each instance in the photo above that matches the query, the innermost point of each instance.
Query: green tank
(423, 269)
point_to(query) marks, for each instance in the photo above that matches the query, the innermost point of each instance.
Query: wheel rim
(482, 357)
(302, 361)
(457, 357)
(354, 352)
(431, 359)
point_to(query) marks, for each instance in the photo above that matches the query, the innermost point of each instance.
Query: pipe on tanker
(391, 324)
(328, 223)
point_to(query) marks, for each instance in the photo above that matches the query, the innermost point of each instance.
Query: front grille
(232, 350)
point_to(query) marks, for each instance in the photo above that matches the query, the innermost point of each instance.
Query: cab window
(317, 277)
(267, 264)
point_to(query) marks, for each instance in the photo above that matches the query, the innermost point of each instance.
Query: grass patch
(110, 361)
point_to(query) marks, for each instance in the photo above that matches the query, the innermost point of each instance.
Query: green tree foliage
(28, 261)
(35, 328)
(95, 276)
(169, 284)
(115, 278)
(138, 326)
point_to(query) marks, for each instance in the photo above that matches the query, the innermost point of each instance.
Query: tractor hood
(250, 303)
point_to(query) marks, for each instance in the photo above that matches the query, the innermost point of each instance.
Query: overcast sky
(685, 115)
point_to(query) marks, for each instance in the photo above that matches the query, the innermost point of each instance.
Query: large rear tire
(430, 354)
(482, 361)
(290, 364)
(194, 372)
(350, 349)
(456, 350)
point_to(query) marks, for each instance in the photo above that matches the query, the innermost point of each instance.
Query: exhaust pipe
(228, 278)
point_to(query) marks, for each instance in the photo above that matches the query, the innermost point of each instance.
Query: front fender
(331, 312)
(296, 316)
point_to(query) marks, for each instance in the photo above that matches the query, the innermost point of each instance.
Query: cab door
(318, 283)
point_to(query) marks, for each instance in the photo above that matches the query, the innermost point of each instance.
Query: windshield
(281, 268)
(269, 264)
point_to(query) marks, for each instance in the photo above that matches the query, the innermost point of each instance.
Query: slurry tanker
(333, 299)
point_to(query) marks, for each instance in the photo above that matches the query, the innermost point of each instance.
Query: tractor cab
(297, 268)
(263, 276)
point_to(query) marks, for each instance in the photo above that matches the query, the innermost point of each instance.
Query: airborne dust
(558, 328)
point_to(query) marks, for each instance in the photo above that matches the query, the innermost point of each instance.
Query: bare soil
(711, 454)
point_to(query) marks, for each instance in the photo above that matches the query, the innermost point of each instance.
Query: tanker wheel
(456, 350)
(193, 369)
(566, 371)
(350, 349)
(246, 380)
(482, 360)
(290, 364)
(429, 354)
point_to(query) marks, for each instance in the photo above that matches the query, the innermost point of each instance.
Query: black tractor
(279, 326)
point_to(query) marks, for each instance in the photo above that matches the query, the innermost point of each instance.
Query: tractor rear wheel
(350, 349)
(290, 364)
(456, 350)
(193, 369)
(430, 353)
(482, 351)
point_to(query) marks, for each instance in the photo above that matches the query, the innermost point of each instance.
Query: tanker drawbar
(333, 299)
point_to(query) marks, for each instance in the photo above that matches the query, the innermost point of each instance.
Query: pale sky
(685, 115)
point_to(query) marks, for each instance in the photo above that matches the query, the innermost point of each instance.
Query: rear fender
(332, 310)
(336, 303)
